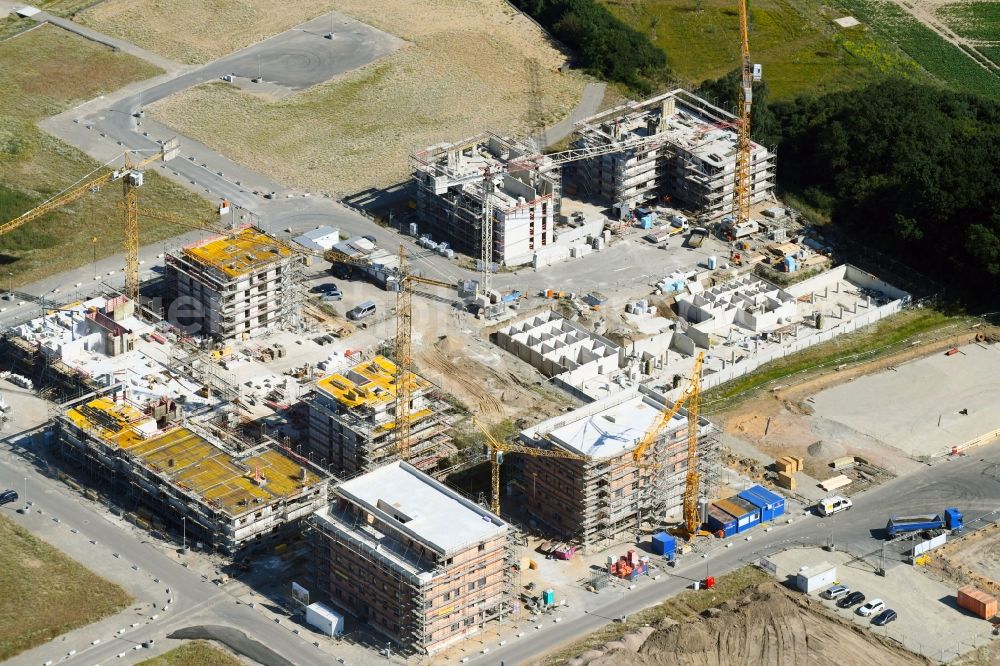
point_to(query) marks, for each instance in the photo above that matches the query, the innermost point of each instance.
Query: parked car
(851, 599)
(835, 592)
(8, 496)
(325, 287)
(884, 618)
(870, 608)
(331, 295)
(370, 239)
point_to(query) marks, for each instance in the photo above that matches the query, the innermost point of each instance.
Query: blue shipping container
(747, 515)
(664, 544)
(720, 521)
(771, 505)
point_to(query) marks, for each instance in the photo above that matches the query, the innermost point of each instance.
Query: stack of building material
(787, 466)
(978, 602)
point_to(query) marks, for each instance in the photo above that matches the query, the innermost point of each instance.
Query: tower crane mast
(744, 147)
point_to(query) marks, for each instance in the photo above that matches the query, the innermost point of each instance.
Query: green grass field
(44, 594)
(43, 72)
(795, 40)
(973, 20)
(195, 653)
(941, 59)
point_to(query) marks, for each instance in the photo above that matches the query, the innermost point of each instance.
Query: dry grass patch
(195, 653)
(43, 72)
(466, 70)
(198, 31)
(44, 594)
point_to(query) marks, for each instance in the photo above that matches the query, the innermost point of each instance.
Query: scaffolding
(694, 163)
(226, 495)
(383, 577)
(352, 420)
(241, 285)
(603, 501)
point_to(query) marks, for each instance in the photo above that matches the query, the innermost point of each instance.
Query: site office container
(745, 513)
(770, 505)
(720, 521)
(978, 602)
(664, 544)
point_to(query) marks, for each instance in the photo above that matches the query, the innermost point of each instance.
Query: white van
(363, 310)
(831, 505)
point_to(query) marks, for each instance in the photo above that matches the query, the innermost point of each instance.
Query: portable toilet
(713, 263)
(548, 597)
(790, 264)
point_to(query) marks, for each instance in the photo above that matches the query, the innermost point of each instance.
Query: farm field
(196, 32)
(973, 20)
(469, 68)
(43, 72)
(796, 41)
(63, 594)
(945, 60)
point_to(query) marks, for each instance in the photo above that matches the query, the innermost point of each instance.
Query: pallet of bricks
(786, 467)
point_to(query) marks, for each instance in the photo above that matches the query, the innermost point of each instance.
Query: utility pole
(184, 542)
(93, 241)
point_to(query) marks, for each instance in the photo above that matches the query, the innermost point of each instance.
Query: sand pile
(770, 626)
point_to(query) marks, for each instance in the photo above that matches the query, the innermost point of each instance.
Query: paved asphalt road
(971, 483)
(194, 600)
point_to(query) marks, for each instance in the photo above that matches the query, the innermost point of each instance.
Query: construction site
(238, 286)
(693, 160)
(603, 495)
(352, 420)
(228, 491)
(391, 416)
(414, 558)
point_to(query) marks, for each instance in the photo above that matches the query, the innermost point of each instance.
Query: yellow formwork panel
(121, 413)
(247, 251)
(193, 463)
(372, 381)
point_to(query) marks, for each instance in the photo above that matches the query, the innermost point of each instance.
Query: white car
(831, 505)
(872, 607)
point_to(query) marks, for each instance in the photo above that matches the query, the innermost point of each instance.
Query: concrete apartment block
(413, 558)
(694, 165)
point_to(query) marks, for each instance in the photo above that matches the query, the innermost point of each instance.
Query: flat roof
(193, 462)
(612, 431)
(422, 507)
(241, 253)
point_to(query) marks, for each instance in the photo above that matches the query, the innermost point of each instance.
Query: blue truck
(951, 520)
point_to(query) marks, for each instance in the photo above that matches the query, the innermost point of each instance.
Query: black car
(851, 599)
(324, 288)
(8, 496)
(884, 618)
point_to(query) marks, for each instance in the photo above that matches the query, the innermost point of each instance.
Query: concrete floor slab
(917, 407)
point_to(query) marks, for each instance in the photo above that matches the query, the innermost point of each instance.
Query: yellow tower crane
(689, 397)
(132, 178)
(748, 74)
(498, 448)
(404, 338)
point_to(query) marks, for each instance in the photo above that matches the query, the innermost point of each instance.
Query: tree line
(605, 46)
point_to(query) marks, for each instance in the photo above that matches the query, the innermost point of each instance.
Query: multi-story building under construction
(450, 192)
(234, 287)
(223, 492)
(694, 164)
(352, 420)
(413, 558)
(606, 496)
